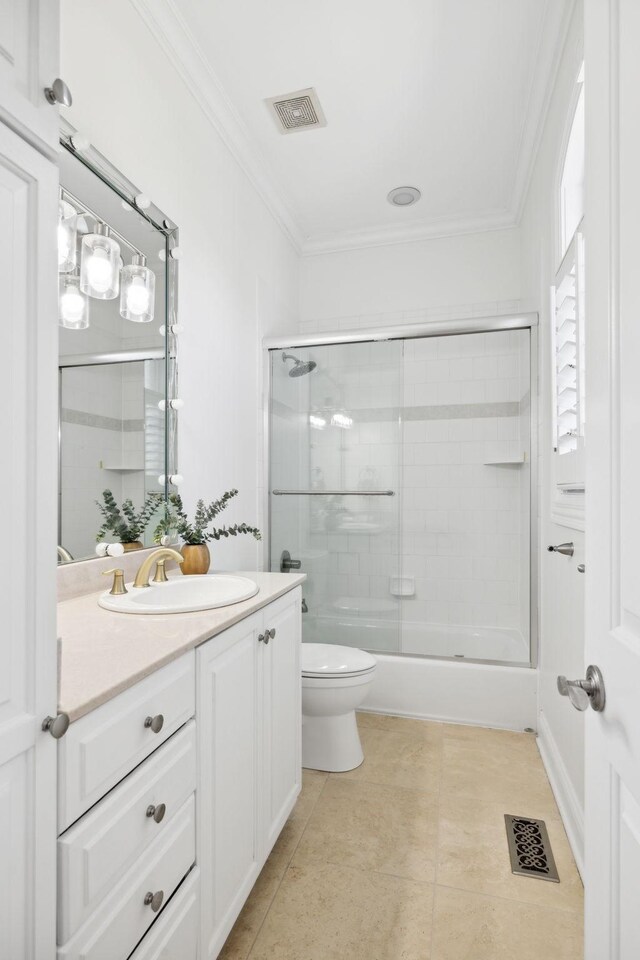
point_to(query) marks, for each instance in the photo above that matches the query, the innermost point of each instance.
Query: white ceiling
(445, 95)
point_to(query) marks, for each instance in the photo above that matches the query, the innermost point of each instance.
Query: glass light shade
(73, 305)
(99, 265)
(67, 237)
(137, 291)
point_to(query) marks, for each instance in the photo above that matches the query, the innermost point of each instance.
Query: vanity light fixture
(73, 306)
(341, 420)
(99, 264)
(175, 479)
(67, 236)
(173, 404)
(137, 290)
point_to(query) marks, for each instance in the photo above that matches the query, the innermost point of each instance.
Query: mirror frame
(73, 141)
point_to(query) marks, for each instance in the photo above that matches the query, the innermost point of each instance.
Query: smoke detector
(297, 111)
(403, 196)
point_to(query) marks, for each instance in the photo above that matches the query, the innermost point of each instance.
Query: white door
(281, 726)
(29, 56)
(28, 457)
(612, 835)
(227, 730)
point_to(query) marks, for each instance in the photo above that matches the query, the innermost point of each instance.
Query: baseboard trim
(564, 792)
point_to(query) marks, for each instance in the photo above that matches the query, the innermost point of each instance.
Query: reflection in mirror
(116, 303)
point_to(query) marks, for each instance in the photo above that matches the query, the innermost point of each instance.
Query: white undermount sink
(182, 594)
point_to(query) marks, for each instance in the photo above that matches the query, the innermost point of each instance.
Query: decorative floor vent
(297, 111)
(530, 849)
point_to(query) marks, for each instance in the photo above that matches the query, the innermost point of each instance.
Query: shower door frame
(440, 328)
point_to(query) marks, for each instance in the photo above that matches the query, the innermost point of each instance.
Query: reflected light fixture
(137, 291)
(319, 423)
(67, 236)
(73, 306)
(341, 420)
(99, 264)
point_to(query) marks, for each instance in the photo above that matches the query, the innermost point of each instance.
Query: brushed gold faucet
(164, 553)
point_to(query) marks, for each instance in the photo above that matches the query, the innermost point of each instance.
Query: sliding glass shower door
(401, 483)
(334, 479)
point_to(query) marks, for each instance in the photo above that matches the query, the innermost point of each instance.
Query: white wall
(238, 273)
(407, 282)
(561, 586)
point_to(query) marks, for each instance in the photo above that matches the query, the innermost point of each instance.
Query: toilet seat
(330, 661)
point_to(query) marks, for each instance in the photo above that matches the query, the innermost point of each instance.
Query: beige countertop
(102, 653)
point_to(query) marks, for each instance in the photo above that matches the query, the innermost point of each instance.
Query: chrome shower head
(300, 367)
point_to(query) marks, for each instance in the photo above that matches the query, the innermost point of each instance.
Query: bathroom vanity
(178, 771)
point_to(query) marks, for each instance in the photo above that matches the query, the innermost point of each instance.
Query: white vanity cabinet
(249, 730)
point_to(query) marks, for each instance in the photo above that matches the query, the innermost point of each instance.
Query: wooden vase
(134, 545)
(197, 558)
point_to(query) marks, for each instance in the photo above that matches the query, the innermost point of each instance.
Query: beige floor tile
(324, 912)
(312, 783)
(423, 729)
(521, 746)
(484, 772)
(398, 759)
(473, 855)
(468, 926)
(246, 927)
(370, 826)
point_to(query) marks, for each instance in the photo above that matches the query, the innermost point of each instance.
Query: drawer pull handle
(154, 900)
(155, 723)
(157, 812)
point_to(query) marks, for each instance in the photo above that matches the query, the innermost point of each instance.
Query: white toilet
(335, 680)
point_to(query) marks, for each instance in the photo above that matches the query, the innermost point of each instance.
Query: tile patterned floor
(406, 858)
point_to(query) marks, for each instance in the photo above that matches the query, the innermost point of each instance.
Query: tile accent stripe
(85, 419)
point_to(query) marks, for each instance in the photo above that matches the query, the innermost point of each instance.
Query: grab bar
(333, 493)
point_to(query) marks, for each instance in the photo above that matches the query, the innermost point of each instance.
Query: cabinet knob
(154, 900)
(59, 92)
(157, 812)
(272, 632)
(56, 726)
(261, 638)
(155, 723)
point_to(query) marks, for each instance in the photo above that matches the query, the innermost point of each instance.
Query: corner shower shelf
(505, 460)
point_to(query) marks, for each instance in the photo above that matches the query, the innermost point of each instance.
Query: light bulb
(99, 264)
(99, 271)
(73, 306)
(137, 297)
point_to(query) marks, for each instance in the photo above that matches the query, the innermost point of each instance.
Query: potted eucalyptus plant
(197, 533)
(125, 522)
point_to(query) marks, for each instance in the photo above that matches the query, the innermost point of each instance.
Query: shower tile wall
(464, 536)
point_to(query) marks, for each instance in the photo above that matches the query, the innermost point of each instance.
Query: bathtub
(439, 671)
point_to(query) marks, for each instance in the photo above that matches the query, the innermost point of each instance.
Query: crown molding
(185, 54)
(551, 44)
(386, 234)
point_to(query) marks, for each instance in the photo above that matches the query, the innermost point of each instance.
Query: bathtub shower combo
(400, 482)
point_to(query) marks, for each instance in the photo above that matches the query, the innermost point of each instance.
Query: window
(568, 312)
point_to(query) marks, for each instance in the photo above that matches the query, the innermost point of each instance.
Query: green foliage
(126, 523)
(195, 531)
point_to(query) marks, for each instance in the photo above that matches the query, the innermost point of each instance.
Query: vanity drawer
(122, 918)
(175, 935)
(98, 850)
(105, 745)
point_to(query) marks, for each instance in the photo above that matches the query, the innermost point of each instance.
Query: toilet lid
(330, 660)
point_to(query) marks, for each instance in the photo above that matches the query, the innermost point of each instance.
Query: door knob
(584, 693)
(56, 726)
(566, 549)
(59, 92)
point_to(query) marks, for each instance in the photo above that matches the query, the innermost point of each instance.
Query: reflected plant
(194, 532)
(125, 522)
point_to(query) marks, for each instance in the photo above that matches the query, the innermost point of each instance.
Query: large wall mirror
(117, 257)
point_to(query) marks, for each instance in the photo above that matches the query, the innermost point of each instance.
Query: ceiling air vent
(297, 111)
